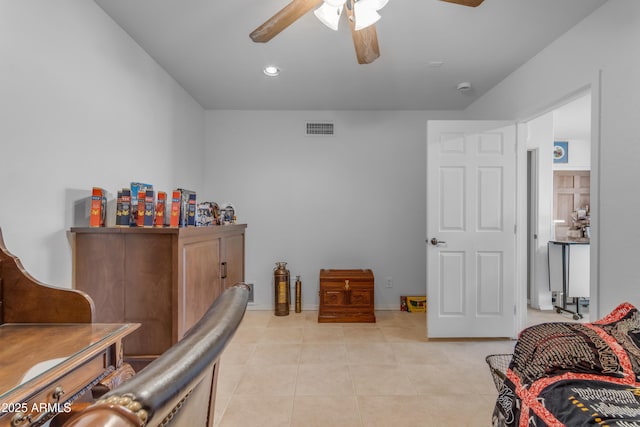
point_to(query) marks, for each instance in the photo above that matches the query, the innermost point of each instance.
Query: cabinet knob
(58, 393)
(346, 285)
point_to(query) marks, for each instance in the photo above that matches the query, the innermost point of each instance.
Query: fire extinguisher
(282, 291)
(298, 295)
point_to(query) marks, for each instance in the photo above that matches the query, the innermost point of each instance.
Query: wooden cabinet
(346, 296)
(163, 278)
(571, 190)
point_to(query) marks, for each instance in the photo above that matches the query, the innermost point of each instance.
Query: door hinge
(515, 228)
(515, 310)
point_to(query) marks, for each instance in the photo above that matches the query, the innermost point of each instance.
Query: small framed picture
(561, 152)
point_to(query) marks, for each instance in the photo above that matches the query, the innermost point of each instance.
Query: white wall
(572, 123)
(354, 200)
(602, 52)
(81, 105)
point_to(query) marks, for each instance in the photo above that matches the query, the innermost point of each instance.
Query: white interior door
(471, 236)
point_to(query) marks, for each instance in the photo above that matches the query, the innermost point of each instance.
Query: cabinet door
(233, 259)
(148, 267)
(571, 190)
(333, 296)
(201, 281)
(99, 271)
(360, 297)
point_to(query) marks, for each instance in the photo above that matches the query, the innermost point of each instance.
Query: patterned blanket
(573, 374)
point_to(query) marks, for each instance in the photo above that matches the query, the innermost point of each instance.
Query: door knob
(436, 242)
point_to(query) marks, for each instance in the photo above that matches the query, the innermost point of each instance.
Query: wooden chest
(346, 296)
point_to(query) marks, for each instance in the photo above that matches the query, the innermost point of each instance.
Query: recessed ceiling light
(271, 71)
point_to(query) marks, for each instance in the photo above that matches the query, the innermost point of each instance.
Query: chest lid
(341, 275)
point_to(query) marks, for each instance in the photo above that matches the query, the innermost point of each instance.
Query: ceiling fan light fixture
(366, 13)
(335, 3)
(377, 4)
(329, 14)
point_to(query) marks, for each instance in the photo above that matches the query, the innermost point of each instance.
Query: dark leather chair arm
(156, 394)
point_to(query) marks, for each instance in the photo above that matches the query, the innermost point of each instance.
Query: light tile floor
(290, 371)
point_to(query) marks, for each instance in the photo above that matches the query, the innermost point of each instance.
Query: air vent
(250, 301)
(322, 129)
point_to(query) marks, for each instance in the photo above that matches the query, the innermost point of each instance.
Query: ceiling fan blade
(472, 3)
(282, 19)
(366, 43)
(365, 40)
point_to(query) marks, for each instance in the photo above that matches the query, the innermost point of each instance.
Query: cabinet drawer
(351, 298)
(53, 397)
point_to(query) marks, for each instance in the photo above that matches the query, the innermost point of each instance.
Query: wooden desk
(569, 272)
(45, 367)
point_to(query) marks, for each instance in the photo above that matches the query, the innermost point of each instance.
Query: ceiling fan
(365, 40)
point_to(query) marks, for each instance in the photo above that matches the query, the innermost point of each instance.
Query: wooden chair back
(24, 299)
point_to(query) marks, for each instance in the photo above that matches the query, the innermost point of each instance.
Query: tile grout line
(353, 386)
(295, 393)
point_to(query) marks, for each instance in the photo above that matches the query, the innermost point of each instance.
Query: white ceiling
(205, 46)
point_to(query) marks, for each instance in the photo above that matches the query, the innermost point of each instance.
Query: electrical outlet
(389, 282)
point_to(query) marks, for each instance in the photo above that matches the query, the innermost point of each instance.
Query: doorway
(539, 135)
(571, 124)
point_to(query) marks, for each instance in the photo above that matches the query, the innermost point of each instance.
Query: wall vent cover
(250, 301)
(320, 128)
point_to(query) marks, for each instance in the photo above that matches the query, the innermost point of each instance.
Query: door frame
(520, 295)
(532, 223)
